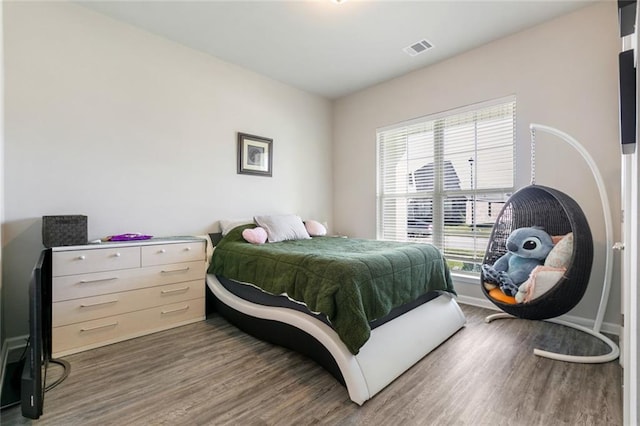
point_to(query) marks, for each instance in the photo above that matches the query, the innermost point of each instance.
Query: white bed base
(391, 350)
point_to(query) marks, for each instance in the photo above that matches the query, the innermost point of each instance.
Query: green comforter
(351, 281)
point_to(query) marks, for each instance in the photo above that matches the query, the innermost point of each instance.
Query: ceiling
(333, 49)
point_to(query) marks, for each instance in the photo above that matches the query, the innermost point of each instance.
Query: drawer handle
(88, 305)
(98, 280)
(187, 249)
(113, 324)
(175, 310)
(82, 257)
(175, 290)
(117, 254)
(162, 251)
(175, 270)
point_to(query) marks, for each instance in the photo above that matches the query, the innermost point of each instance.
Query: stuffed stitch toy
(527, 248)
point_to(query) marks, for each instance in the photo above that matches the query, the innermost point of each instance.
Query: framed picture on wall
(255, 155)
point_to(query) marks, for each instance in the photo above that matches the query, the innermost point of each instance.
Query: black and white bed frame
(392, 348)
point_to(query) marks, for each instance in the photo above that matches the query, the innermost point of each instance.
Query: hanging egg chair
(558, 215)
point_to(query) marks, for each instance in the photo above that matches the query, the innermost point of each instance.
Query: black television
(628, 16)
(34, 372)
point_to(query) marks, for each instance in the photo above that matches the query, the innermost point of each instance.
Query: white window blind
(443, 179)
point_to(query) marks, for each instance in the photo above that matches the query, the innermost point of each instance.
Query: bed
(365, 310)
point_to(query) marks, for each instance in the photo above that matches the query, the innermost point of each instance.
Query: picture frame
(255, 155)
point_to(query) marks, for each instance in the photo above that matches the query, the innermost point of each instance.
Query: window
(443, 179)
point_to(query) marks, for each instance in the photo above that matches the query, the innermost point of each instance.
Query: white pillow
(541, 280)
(560, 255)
(228, 225)
(282, 227)
(315, 228)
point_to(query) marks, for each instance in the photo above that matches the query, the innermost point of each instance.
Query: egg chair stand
(559, 214)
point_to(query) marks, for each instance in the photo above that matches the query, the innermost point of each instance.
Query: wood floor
(210, 373)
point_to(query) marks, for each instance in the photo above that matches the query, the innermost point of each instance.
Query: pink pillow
(315, 228)
(255, 236)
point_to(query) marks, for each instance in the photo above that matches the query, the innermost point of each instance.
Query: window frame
(438, 194)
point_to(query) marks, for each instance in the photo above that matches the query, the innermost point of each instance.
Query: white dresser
(105, 293)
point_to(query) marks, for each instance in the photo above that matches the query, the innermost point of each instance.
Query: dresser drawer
(90, 308)
(95, 260)
(86, 335)
(86, 285)
(173, 253)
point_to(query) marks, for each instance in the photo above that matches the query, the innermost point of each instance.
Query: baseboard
(607, 327)
(474, 301)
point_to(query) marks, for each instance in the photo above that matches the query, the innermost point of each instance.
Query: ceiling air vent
(418, 47)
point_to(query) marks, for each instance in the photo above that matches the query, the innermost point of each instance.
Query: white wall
(564, 74)
(139, 134)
